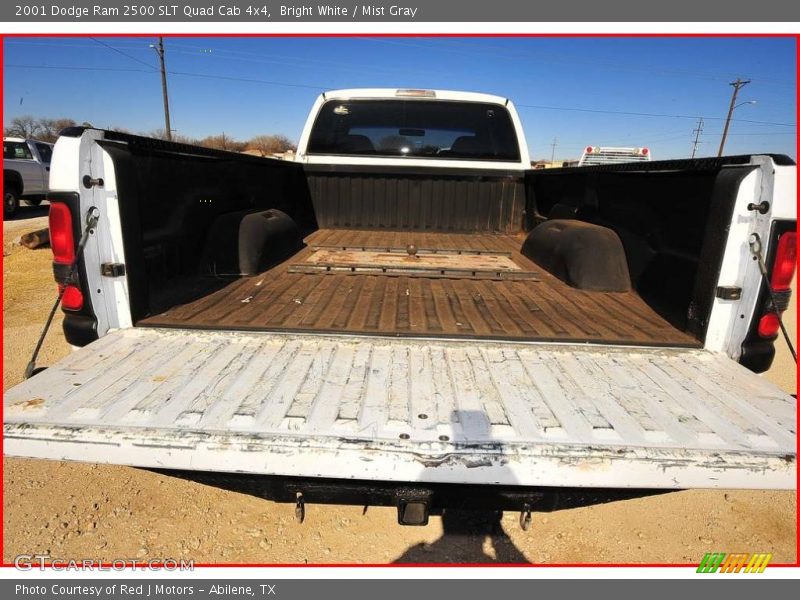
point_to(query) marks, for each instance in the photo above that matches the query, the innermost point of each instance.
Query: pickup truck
(410, 315)
(26, 170)
(608, 155)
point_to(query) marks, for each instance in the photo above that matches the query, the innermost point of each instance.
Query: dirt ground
(71, 510)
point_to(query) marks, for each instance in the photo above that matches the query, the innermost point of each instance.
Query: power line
(323, 88)
(714, 133)
(553, 58)
(757, 133)
(248, 80)
(651, 139)
(182, 73)
(643, 114)
(293, 61)
(458, 47)
(290, 61)
(612, 64)
(125, 54)
(76, 68)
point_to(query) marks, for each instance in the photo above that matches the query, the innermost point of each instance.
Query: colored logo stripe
(734, 563)
(758, 563)
(710, 562)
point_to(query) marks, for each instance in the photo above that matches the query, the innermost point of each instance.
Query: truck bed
(525, 304)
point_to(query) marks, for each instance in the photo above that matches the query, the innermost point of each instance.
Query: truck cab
(414, 128)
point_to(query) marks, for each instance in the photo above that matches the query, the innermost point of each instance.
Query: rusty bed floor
(544, 309)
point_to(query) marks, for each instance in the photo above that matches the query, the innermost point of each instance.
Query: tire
(34, 202)
(10, 203)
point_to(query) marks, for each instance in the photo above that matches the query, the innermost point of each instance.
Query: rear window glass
(16, 150)
(45, 152)
(418, 128)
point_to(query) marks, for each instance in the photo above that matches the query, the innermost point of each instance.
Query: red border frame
(428, 35)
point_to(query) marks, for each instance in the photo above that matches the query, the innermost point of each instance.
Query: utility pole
(737, 85)
(553, 153)
(697, 133)
(160, 51)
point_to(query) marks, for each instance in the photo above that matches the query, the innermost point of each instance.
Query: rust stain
(27, 404)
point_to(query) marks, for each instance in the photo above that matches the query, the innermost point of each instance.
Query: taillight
(72, 298)
(63, 244)
(783, 267)
(645, 151)
(769, 325)
(785, 261)
(774, 297)
(589, 149)
(61, 239)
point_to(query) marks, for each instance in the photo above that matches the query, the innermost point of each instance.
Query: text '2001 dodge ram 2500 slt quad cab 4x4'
(409, 314)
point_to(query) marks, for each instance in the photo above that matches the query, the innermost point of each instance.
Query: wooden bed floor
(544, 310)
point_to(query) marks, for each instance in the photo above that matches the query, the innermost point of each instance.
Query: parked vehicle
(26, 169)
(410, 315)
(608, 155)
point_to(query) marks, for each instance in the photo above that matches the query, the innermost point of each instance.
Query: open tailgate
(408, 410)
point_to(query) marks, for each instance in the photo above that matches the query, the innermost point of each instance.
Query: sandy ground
(70, 510)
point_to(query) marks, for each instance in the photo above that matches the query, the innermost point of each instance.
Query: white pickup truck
(409, 314)
(26, 170)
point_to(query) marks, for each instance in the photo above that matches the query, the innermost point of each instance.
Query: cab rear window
(45, 152)
(415, 128)
(16, 150)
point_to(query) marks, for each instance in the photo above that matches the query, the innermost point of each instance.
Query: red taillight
(645, 151)
(61, 240)
(785, 261)
(63, 244)
(768, 325)
(589, 149)
(72, 298)
(783, 268)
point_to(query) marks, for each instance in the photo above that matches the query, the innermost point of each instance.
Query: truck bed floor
(544, 309)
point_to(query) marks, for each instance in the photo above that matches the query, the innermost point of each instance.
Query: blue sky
(251, 86)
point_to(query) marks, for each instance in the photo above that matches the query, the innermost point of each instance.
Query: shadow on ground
(468, 537)
(29, 212)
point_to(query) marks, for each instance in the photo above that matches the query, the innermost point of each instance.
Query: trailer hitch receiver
(413, 512)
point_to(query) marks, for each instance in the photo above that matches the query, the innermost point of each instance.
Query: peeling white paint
(408, 410)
